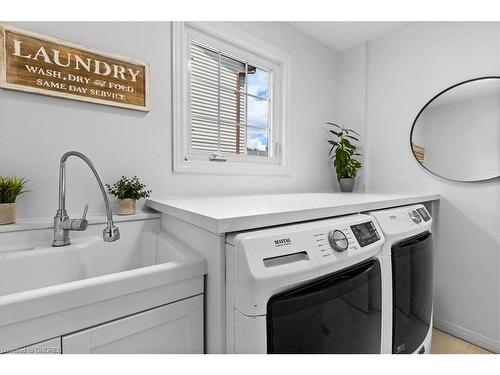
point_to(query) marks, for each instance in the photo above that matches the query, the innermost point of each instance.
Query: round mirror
(456, 135)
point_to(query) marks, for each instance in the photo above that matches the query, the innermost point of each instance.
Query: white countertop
(236, 213)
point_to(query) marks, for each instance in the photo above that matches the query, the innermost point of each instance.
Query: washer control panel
(272, 258)
(346, 239)
(365, 233)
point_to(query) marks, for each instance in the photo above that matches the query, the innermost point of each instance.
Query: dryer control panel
(401, 220)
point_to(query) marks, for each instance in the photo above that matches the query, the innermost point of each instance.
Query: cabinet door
(174, 328)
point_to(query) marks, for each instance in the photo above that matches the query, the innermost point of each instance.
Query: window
(229, 101)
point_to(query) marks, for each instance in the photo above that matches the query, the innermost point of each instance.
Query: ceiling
(342, 35)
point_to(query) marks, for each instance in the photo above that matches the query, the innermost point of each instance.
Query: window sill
(231, 168)
(38, 223)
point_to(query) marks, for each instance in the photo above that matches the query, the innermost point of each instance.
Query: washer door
(340, 313)
(411, 292)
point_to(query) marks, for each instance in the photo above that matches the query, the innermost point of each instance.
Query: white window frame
(240, 44)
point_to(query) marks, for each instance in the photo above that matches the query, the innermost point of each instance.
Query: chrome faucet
(63, 224)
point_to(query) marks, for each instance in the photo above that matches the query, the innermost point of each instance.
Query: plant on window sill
(343, 153)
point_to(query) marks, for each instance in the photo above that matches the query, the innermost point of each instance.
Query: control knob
(415, 217)
(338, 240)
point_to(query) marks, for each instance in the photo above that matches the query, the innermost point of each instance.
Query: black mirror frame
(425, 106)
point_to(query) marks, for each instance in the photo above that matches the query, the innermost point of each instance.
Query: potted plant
(10, 189)
(343, 153)
(127, 192)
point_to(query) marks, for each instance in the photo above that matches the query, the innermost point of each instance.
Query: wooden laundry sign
(44, 65)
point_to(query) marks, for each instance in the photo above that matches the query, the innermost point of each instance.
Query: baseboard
(467, 335)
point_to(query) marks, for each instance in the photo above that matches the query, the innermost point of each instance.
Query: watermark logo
(32, 350)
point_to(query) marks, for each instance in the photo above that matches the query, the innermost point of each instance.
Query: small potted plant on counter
(10, 189)
(127, 192)
(343, 153)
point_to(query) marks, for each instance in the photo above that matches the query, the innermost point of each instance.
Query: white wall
(404, 70)
(352, 100)
(36, 130)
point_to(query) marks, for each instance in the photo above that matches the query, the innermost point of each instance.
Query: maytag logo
(282, 242)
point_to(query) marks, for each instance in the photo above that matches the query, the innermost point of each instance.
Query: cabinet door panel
(174, 328)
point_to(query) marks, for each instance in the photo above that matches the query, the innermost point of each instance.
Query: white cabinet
(173, 328)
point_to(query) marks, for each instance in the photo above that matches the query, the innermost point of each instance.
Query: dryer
(407, 279)
(313, 287)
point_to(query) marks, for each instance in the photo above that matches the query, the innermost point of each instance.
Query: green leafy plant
(128, 188)
(11, 188)
(343, 151)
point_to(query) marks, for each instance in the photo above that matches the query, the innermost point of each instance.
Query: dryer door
(339, 313)
(411, 292)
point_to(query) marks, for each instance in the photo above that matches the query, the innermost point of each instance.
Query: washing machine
(407, 279)
(312, 287)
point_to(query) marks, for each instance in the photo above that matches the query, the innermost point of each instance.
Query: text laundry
(76, 62)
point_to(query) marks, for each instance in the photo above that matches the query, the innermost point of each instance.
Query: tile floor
(442, 343)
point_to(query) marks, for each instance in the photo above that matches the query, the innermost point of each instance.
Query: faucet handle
(85, 209)
(82, 223)
(76, 224)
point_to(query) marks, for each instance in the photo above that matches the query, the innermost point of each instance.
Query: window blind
(218, 102)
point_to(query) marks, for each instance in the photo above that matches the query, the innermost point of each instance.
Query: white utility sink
(48, 291)
(88, 257)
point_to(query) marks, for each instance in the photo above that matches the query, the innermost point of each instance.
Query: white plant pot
(346, 185)
(125, 206)
(7, 213)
